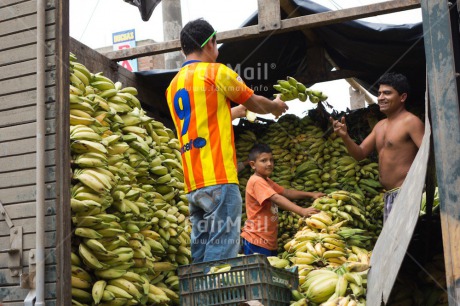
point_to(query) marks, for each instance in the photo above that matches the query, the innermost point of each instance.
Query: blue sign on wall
(125, 40)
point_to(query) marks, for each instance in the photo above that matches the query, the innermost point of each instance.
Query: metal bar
(292, 24)
(444, 107)
(5, 214)
(40, 155)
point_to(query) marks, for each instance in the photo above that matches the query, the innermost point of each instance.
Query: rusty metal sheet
(392, 244)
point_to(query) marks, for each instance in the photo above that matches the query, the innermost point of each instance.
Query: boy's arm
(293, 194)
(284, 203)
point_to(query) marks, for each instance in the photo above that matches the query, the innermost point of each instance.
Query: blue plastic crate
(250, 278)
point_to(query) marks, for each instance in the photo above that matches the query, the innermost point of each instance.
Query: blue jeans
(249, 249)
(215, 213)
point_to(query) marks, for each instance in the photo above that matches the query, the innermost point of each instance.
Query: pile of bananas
(327, 287)
(117, 287)
(129, 209)
(330, 265)
(291, 89)
(307, 160)
(350, 206)
(332, 244)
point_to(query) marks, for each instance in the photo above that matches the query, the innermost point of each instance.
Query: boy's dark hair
(258, 149)
(195, 33)
(395, 80)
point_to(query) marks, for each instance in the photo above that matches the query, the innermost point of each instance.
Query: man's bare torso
(396, 150)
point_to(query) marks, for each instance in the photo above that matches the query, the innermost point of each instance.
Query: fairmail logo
(259, 72)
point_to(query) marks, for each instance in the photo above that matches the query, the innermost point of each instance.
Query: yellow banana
(81, 295)
(80, 273)
(354, 278)
(107, 296)
(127, 286)
(319, 249)
(321, 290)
(323, 217)
(357, 289)
(87, 232)
(133, 277)
(98, 290)
(77, 120)
(89, 258)
(80, 283)
(341, 286)
(118, 292)
(334, 241)
(333, 253)
(110, 273)
(84, 146)
(95, 245)
(315, 223)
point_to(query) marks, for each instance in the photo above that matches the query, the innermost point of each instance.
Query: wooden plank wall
(18, 48)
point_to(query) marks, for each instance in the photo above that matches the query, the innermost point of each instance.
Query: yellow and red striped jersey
(199, 101)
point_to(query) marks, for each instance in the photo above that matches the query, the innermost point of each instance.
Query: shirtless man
(396, 138)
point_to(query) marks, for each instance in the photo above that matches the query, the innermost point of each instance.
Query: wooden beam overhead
(287, 25)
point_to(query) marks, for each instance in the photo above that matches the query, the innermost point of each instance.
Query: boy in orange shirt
(263, 197)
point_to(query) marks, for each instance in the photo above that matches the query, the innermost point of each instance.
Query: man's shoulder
(408, 119)
(411, 116)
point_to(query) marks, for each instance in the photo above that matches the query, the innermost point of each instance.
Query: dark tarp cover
(369, 48)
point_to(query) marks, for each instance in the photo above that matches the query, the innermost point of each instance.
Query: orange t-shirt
(261, 226)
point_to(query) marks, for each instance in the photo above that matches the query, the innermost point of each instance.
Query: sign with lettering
(125, 40)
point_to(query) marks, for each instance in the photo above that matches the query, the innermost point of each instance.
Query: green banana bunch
(291, 89)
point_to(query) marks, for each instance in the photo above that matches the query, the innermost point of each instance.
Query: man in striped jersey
(199, 100)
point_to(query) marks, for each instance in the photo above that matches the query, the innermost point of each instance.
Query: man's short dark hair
(395, 80)
(194, 34)
(258, 149)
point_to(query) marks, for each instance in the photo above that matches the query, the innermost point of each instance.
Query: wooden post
(172, 24)
(269, 12)
(446, 132)
(62, 156)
